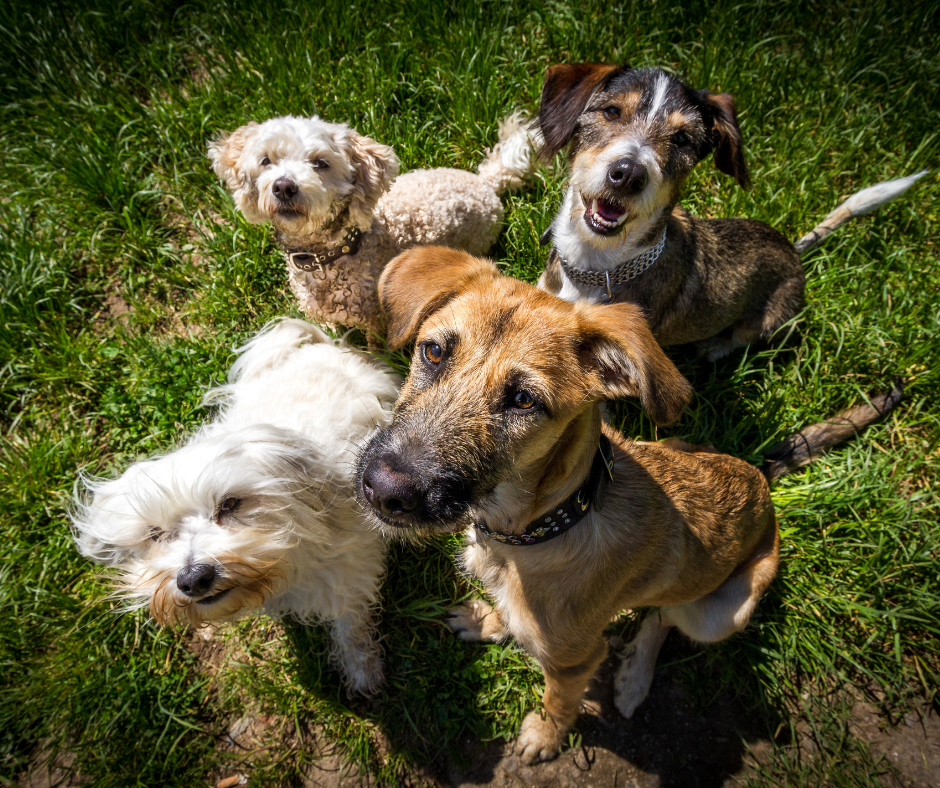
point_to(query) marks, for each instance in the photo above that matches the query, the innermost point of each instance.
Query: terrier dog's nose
(284, 188)
(196, 579)
(388, 490)
(627, 176)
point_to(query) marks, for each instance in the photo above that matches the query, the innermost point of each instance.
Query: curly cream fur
(441, 206)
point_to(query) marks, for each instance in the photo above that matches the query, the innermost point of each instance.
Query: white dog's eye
(155, 534)
(228, 506)
(265, 162)
(320, 164)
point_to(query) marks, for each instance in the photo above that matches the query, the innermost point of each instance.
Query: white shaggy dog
(256, 511)
(340, 214)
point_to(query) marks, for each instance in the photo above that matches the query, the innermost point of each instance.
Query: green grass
(106, 191)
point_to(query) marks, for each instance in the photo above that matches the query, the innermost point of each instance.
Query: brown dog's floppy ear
(726, 136)
(225, 152)
(376, 166)
(618, 346)
(565, 93)
(419, 281)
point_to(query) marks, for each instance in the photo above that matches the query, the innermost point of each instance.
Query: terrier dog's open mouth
(286, 212)
(211, 600)
(604, 216)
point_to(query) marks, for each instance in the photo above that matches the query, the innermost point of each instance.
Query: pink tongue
(610, 211)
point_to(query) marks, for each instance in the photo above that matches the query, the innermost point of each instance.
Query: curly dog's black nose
(284, 189)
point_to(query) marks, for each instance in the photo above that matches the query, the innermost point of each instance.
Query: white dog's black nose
(284, 189)
(627, 176)
(196, 579)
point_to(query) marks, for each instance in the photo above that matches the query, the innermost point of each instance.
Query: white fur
(295, 411)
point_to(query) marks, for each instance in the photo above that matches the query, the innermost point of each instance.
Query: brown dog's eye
(320, 164)
(680, 139)
(433, 353)
(265, 162)
(523, 400)
(611, 113)
(228, 506)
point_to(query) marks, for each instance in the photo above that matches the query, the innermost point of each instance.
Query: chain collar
(307, 260)
(622, 274)
(566, 515)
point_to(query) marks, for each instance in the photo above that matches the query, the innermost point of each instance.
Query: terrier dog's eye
(228, 506)
(611, 113)
(433, 353)
(680, 139)
(320, 164)
(265, 162)
(155, 534)
(523, 399)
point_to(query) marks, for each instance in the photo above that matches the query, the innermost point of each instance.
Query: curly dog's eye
(265, 162)
(433, 353)
(320, 164)
(228, 506)
(611, 113)
(680, 139)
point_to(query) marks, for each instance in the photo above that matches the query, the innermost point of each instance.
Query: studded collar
(317, 257)
(622, 274)
(560, 518)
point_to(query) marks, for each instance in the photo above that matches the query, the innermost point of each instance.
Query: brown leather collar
(317, 257)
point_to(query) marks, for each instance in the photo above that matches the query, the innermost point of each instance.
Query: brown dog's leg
(476, 620)
(635, 677)
(543, 732)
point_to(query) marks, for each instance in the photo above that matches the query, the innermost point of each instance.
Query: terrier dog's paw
(632, 684)
(475, 621)
(539, 739)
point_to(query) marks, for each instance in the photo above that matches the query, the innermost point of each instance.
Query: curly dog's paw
(475, 621)
(539, 739)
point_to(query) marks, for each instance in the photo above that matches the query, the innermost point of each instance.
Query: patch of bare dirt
(912, 746)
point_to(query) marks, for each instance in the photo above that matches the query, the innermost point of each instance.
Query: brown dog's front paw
(475, 620)
(539, 739)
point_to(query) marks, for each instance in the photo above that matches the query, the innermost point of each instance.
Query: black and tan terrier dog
(620, 235)
(498, 431)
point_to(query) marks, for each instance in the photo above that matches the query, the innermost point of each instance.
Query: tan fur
(683, 529)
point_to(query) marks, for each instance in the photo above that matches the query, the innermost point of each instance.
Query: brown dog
(620, 235)
(498, 427)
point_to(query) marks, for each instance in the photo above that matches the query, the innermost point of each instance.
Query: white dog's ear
(226, 151)
(376, 166)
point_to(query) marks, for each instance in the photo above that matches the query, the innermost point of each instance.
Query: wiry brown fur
(682, 528)
(677, 528)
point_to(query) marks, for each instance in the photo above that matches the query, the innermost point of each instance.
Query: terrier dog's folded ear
(565, 93)
(376, 166)
(726, 136)
(419, 281)
(617, 346)
(225, 152)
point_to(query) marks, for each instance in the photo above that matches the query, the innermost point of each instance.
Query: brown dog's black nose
(627, 176)
(389, 491)
(284, 189)
(196, 579)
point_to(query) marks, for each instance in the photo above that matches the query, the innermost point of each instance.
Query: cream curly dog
(340, 214)
(255, 512)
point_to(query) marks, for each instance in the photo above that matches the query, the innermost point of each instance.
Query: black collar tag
(591, 492)
(307, 260)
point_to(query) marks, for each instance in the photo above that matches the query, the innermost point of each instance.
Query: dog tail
(272, 345)
(809, 443)
(512, 158)
(860, 203)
